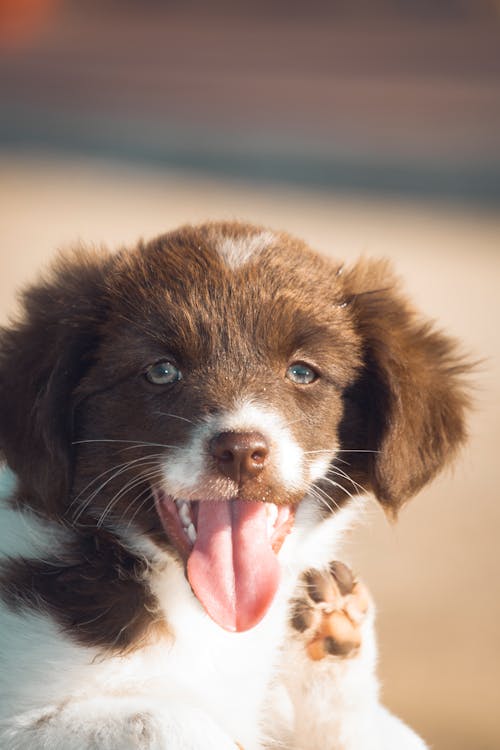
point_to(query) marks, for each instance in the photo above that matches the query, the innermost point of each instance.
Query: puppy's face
(198, 387)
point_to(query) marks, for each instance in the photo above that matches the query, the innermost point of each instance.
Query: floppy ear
(409, 402)
(42, 358)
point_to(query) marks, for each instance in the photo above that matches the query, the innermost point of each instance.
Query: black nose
(240, 455)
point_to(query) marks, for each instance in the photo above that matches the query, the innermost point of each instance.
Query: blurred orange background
(364, 127)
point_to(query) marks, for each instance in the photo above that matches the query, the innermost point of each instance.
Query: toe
(304, 616)
(321, 587)
(343, 576)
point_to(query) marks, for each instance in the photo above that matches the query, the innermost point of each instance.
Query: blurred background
(364, 126)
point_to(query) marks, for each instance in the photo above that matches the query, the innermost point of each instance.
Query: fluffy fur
(104, 644)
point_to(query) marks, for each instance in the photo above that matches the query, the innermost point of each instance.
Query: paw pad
(329, 612)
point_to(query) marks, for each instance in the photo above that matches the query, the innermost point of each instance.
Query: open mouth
(230, 548)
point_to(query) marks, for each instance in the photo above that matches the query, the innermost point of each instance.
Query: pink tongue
(232, 569)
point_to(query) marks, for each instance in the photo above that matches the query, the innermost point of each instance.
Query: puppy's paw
(329, 613)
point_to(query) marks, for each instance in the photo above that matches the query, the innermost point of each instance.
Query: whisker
(138, 443)
(112, 468)
(333, 483)
(149, 496)
(318, 493)
(107, 511)
(174, 416)
(123, 491)
(342, 450)
(338, 486)
(340, 472)
(356, 450)
(121, 470)
(322, 450)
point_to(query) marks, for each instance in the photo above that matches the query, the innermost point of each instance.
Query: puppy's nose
(240, 455)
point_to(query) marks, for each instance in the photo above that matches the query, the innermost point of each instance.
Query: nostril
(225, 456)
(259, 456)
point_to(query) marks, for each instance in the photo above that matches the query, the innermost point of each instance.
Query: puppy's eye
(163, 373)
(301, 374)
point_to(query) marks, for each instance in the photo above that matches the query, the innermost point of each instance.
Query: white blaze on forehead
(186, 467)
(236, 251)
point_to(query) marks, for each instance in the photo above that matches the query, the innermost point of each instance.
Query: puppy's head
(199, 387)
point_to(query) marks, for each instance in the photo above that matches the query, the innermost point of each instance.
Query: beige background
(435, 575)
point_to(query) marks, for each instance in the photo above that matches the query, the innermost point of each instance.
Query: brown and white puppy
(188, 427)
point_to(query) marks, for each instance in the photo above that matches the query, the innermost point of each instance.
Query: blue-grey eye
(301, 373)
(163, 373)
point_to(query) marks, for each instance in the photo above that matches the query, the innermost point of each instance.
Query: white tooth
(184, 514)
(285, 513)
(272, 512)
(191, 532)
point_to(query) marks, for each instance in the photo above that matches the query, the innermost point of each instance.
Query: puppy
(189, 428)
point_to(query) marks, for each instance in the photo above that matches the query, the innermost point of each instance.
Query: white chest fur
(225, 674)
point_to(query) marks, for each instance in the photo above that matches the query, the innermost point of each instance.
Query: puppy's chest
(222, 672)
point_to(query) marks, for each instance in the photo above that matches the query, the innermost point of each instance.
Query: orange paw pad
(330, 611)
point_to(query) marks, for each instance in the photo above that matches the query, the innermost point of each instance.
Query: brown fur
(72, 369)
(95, 590)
